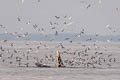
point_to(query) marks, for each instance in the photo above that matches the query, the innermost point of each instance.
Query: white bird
(21, 28)
(28, 22)
(107, 25)
(108, 41)
(6, 32)
(22, 1)
(100, 1)
(70, 23)
(70, 18)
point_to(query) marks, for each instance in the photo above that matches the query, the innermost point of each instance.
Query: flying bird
(57, 17)
(38, 0)
(22, 1)
(88, 6)
(56, 33)
(18, 19)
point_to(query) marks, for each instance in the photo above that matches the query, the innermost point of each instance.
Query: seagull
(35, 26)
(70, 18)
(62, 45)
(38, 0)
(67, 38)
(0, 56)
(70, 41)
(88, 6)
(62, 30)
(6, 32)
(18, 19)
(11, 62)
(22, 1)
(28, 22)
(53, 27)
(38, 29)
(108, 26)
(100, 1)
(56, 33)
(11, 44)
(21, 28)
(51, 23)
(65, 22)
(108, 41)
(2, 26)
(82, 1)
(42, 29)
(70, 23)
(117, 9)
(4, 40)
(15, 51)
(65, 16)
(57, 17)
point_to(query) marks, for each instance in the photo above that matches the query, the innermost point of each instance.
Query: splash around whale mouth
(46, 66)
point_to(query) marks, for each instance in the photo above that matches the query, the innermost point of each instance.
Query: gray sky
(95, 19)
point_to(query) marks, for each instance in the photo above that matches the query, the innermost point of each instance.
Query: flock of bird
(80, 58)
(13, 54)
(85, 59)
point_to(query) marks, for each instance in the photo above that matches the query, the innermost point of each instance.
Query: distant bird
(62, 45)
(11, 45)
(53, 27)
(4, 40)
(70, 41)
(100, 53)
(80, 34)
(39, 0)
(69, 23)
(70, 18)
(62, 30)
(2, 26)
(1, 48)
(18, 19)
(65, 22)
(117, 9)
(88, 6)
(51, 23)
(10, 56)
(11, 62)
(57, 17)
(42, 29)
(65, 16)
(56, 33)
(99, 1)
(22, 1)
(35, 26)
(108, 26)
(56, 23)
(27, 64)
(25, 34)
(82, 1)
(15, 51)
(96, 35)
(0, 55)
(67, 38)
(52, 58)
(28, 22)
(114, 60)
(109, 65)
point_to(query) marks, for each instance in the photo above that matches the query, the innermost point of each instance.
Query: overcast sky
(92, 15)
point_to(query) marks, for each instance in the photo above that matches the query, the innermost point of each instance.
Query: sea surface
(15, 55)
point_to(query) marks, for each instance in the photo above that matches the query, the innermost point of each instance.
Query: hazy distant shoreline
(61, 37)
